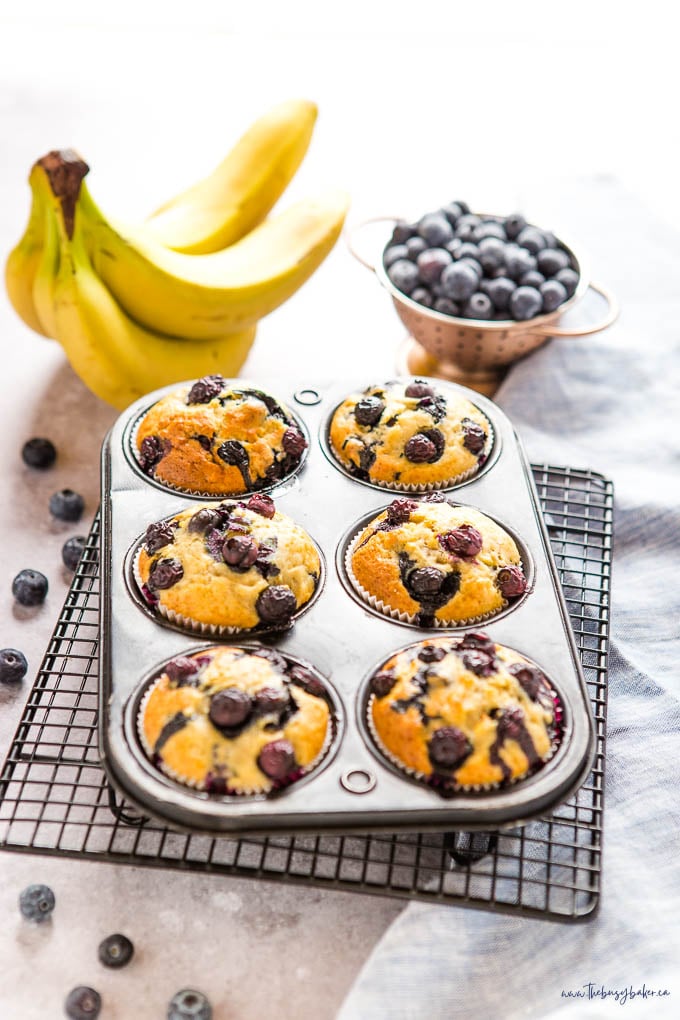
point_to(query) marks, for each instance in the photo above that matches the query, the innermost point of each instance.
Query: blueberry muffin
(228, 566)
(463, 712)
(435, 563)
(410, 435)
(235, 720)
(217, 439)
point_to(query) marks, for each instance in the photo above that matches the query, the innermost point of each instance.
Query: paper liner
(395, 614)
(440, 783)
(273, 787)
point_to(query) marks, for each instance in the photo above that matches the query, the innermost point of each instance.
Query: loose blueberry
(151, 451)
(181, 669)
(419, 389)
(83, 1003)
(525, 303)
(277, 759)
(29, 587)
(230, 708)
(465, 227)
(368, 411)
(189, 1005)
(240, 551)
(431, 653)
(435, 229)
(446, 306)
(165, 573)
(473, 265)
(453, 212)
(453, 245)
(13, 666)
(569, 280)
(293, 442)
(474, 436)
(39, 453)
(204, 520)
(158, 535)
(383, 682)
(402, 232)
(206, 389)
(115, 951)
(500, 291)
(422, 296)
(532, 239)
(490, 229)
(394, 252)
(404, 275)
(426, 581)
(458, 282)
(276, 604)
(36, 902)
(518, 261)
(554, 294)
(467, 250)
(465, 541)
(551, 260)
(511, 582)
(72, 550)
(262, 504)
(448, 747)
(431, 263)
(479, 306)
(491, 253)
(67, 505)
(414, 246)
(532, 279)
(529, 677)
(514, 225)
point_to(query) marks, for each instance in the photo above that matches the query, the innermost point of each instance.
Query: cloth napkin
(611, 403)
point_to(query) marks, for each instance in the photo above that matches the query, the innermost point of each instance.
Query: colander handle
(351, 233)
(611, 316)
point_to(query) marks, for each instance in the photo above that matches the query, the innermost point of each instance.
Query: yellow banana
(117, 359)
(204, 296)
(48, 264)
(224, 207)
(22, 264)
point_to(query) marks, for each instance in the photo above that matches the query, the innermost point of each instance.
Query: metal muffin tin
(352, 790)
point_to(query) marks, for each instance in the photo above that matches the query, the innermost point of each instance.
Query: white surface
(468, 103)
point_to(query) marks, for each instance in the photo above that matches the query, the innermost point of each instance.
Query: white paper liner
(395, 614)
(192, 784)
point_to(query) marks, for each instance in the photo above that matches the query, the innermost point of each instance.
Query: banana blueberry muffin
(234, 565)
(235, 720)
(435, 562)
(409, 434)
(220, 440)
(463, 712)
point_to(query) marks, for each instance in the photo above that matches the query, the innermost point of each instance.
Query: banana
(115, 358)
(48, 264)
(206, 296)
(23, 261)
(228, 204)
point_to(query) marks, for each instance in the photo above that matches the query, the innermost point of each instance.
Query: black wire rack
(55, 798)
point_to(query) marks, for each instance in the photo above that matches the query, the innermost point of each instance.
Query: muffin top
(233, 564)
(235, 720)
(463, 712)
(220, 440)
(407, 434)
(436, 561)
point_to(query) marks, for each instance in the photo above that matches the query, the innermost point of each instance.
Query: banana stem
(65, 171)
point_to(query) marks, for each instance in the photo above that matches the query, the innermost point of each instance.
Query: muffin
(412, 436)
(435, 563)
(235, 720)
(228, 566)
(463, 713)
(215, 439)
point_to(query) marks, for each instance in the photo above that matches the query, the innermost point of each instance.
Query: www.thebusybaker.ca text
(621, 995)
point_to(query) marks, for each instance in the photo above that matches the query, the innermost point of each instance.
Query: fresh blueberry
(490, 229)
(404, 275)
(435, 229)
(368, 410)
(402, 232)
(514, 225)
(293, 442)
(525, 303)
(83, 1003)
(459, 282)
(511, 582)
(431, 263)
(532, 239)
(29, 587)
(453, 212)
(67, 505)
(39, 453)
(446, 306)
(393, 253)
(115, 951)
(569, 280)
(206, 389)
(422, 296)
(551, 260)
(554, 294)
(276, 604)
(448, 747)
(13, 666)
(229, 708)
(500, 291)
(532, 279)
(467, 250)
(474, 266)
(453, 245)
(277, 759)
(72, 550)
(414, 246)
(465, 227)
(518, 261)
(479, 306)
(491, 253)
(36, 902)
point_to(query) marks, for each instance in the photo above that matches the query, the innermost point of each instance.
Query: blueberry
(491, 253)
(431, 263)
(554, 294)
(453, 212)
(422, 296)
(39, 453)
(240, 551)
(182, 669)
(158, 535)
(479, 306)
(262, 504)
(474, 266)
(418, 388)
(532, 239)
(29, 587)
(304, 678)
(13, 666)
(459, 282)
(414, 246)
(511, 582)
(490, 229)
(276, 604)
(206, 389)
(467, 250)
(478, 661)
(525, 303)
(234, 453)
(229, 708)
(83, 1003)
(465, 541)
(67, 505)
(569, 280)
(151, 451)
(72, 550)
(448, 747)
(426, 581)
(402, 232)
(530, 678)
(551, 260)
(400, 509)
(518, 261)
(500, 291)
(446, 306)
(474, 436)
(453, 245)
(293, 442)
(368, 411)
(404, 275)
(425, 447)
(277, 759)
(115, 951)
(465, 227)
(269, 699)
(393, 253)
(165, 573)
(532, 279)
(431, 653)
(204, 520)
(435, 229)
(383, 682)
(514, 225)
(36, 902)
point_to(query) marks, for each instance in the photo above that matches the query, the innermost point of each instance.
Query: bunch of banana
(140, 307)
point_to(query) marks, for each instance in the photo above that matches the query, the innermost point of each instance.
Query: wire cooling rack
(55, 799)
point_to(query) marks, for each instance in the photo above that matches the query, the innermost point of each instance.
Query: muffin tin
(353, 788)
